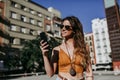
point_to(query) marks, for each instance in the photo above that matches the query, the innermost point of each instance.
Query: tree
(31, 56)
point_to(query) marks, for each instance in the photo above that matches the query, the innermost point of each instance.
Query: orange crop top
(64, 64)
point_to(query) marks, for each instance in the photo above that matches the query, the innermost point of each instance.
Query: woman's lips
(63, 32)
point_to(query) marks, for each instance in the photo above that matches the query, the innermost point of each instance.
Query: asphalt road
(44, 77)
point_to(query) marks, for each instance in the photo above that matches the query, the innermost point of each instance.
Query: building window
(23, 8)
(89, 37)
(105, 45)
(103, 35)
(32, 11)
(100, 61)
(22, 41)
(48, 18)
(97, 36)
(99, 53)
(104, 38)
(13, 15)
(16, 41)
(48, 28)
(31, 32)
(13, 28)
(103, 31)
(100, 58)
(91, 50)
(14, 4)
(90, 43)
(25, 30)
(32, 21)
(11, 39)
(96, 33)
(97, 40)
(98, 46)
(107, 58)
(56, 32)
(39, 23)
(106, 51)
(34, 32)
(39, 14)
(23, 18)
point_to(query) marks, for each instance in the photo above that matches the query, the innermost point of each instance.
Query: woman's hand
(44, 47)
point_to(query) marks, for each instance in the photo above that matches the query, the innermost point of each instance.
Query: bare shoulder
(56, 48)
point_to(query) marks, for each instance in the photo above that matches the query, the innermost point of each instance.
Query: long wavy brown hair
(79, 43)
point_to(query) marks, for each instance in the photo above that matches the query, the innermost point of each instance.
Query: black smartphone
(43, 36)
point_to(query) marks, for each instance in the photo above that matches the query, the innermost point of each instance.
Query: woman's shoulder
(57, 47)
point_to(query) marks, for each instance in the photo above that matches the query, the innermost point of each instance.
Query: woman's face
(66, 29)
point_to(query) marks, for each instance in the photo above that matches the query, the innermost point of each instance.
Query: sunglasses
(67, 27)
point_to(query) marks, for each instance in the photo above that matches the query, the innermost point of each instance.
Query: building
(90, 42)
(22, 20)
(27, 19)
(4, 36)
(56, 20)
(112, 12)
(101, 44)
(4, 22)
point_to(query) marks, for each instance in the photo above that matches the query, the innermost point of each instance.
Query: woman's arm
(47, 64)
(50, 65)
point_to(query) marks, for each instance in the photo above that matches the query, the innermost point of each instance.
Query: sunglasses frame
(67, 27)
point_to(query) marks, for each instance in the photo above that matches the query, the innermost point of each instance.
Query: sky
(85, 10)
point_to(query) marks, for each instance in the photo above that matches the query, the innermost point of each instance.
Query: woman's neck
(69, 42)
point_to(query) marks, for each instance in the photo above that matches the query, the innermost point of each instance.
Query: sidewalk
(98, 75)
(40, 77)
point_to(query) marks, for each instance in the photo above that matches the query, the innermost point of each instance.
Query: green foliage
(11, 58)
(11, 62)
(31, 56)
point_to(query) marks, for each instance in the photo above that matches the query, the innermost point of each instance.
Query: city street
(97, 76)
(31, 30)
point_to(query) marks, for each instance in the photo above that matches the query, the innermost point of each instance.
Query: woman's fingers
(44, 47)
(44, 44)
(41, 41)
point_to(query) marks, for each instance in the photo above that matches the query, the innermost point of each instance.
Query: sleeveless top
(64, 62)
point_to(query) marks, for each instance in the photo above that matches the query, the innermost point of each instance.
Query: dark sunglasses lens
(67, 27)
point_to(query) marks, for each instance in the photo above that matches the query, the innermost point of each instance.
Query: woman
(71, 57)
